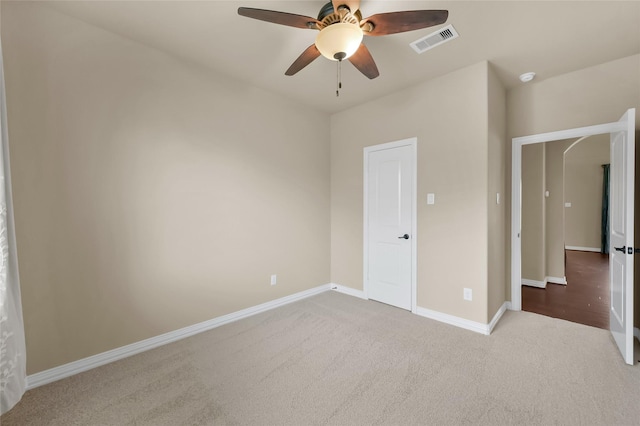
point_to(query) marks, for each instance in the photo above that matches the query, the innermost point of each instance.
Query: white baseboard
(534, 283)
(594, 249)
(453, 320)
(348, 290)
(75, 367)
(543, 284)
(556, 280)
(438, 316)
(498, 315)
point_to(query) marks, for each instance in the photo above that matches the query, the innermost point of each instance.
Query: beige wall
(448, 115)
(594, 95)
(533, 212)
(554, 208)
(145, 201)
(636, 258)
(583, 189)
(149, 194)
(569, 178)
(497, 145)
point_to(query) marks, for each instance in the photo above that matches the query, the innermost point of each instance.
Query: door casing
(516, 192)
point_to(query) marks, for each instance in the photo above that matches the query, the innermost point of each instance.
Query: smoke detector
(527, 77)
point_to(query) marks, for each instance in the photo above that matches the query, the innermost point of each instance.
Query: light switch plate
(431, 198)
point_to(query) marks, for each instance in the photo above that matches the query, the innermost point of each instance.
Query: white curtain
(13, 370)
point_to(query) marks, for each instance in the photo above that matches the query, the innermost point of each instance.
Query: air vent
(435, 39)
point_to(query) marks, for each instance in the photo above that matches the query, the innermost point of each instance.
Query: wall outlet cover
(468, 294)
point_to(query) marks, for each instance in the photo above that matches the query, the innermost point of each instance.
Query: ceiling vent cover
(435, 39)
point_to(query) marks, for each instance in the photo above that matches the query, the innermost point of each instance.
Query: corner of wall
(497, 201)
(636, 266)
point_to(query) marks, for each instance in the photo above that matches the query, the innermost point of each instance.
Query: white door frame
(516, 193)
(413, 143)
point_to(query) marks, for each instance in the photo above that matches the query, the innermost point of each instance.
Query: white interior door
(621, 226)
(389, 223)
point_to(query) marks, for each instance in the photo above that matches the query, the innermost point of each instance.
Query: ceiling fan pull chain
(339, 79)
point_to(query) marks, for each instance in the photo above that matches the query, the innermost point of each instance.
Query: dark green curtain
(604, 246)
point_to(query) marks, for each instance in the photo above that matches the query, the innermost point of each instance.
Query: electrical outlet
(274, 279)
(468, 294)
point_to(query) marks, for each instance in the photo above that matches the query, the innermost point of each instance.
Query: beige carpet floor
(334, 359)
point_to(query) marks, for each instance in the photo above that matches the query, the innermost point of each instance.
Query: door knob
(630, 250)
(405, 237)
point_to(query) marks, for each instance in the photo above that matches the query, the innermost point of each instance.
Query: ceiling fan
(342, 29)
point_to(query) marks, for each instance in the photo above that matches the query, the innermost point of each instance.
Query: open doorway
(621, 211)
(565, 264)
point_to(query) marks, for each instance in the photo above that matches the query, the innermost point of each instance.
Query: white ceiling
(548, 37)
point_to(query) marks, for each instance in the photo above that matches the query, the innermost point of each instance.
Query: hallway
(585, 299)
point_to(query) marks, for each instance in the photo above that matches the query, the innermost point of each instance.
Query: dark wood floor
(585, 298)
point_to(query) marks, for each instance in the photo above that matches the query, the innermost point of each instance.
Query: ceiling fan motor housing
(328, 9)
(340, 34)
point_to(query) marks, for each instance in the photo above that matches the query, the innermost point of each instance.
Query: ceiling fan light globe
(339, 40)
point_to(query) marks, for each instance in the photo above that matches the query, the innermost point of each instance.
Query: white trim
(575, 143)
(516, 192)
(348, 291)
(75, 367)
(579, 132)
(438, 316)
(534, 283)
(413, 143)
(498, 315)
(516, 219)
(543, 284)
(453, 320)
(557, 280)
(576, 248)
(414, 228)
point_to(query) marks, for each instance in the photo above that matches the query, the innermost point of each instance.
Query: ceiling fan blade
(308, 56)
(399, 22)
(353, 5)
(364, 62)
(282, 18)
